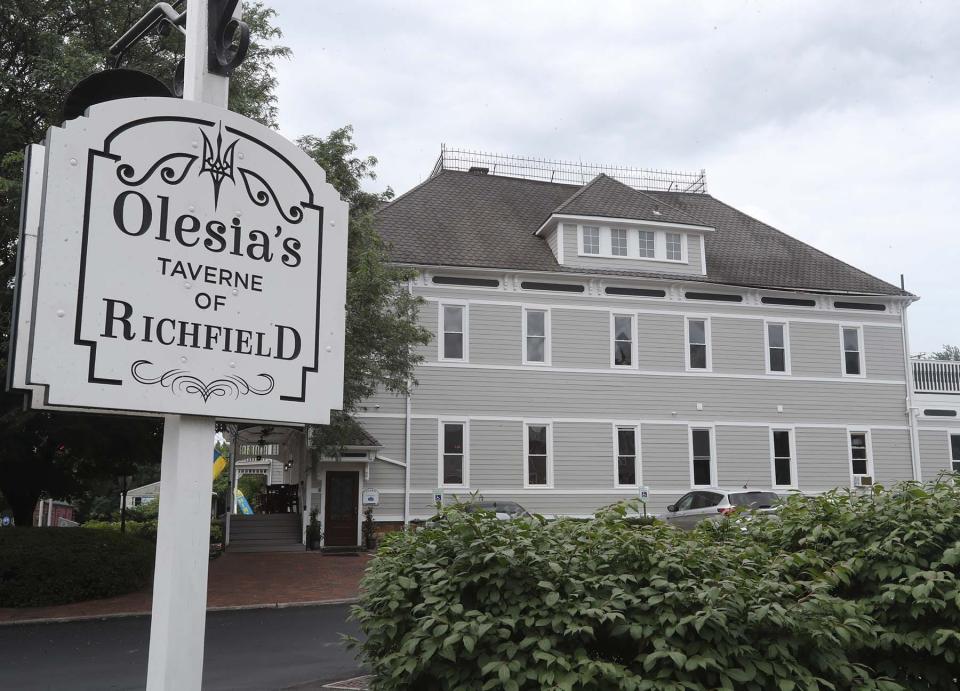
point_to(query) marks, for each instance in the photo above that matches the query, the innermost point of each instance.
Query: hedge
(53, 566)
(843, 592)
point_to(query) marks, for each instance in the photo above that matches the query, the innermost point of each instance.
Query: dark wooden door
(341, 514)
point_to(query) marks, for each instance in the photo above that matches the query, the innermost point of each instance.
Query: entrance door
(341, 514)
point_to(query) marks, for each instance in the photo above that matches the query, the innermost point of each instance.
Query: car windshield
(755, 500)
(511, 508)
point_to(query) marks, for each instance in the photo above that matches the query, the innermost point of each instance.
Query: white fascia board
(556, 218)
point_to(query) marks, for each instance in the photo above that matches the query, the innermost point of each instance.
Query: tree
(47, 46)
(949, 352)
(381, 326)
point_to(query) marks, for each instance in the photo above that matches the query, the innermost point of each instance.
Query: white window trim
(526, 453)
(466, 331)
(638, 462)
(713, 453)
(633, 340)
(548, 339)
(950, 459)
(794, 481)
(466, 451)
(633, 243)
(869, 442)
(686, 343)
(767, 323)
(863, 351)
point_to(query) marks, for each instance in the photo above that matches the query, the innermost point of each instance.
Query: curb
(222, 608)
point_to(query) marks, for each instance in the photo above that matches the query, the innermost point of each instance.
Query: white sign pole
(179, 614)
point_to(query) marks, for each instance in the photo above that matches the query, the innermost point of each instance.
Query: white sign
(644, 493)
(438, 496)
(189, 261)
(371, 497)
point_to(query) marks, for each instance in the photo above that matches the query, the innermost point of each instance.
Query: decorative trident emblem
(220, 166)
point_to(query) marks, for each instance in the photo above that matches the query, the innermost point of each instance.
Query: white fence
(936, 376)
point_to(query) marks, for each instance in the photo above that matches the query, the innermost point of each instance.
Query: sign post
(179, 260)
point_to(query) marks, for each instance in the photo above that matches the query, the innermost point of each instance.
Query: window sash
(648, 243)
(591, 239)
(626, 450)
(782, 459)
(702, 446)
(859, 456)
(852, 362)
(618, 242)
(536, 341)
(538, 455)
(453, 453)
(454, 343)
(623, 340)
(777, 348)
(674, 246)
(697, 344)
(955, 452)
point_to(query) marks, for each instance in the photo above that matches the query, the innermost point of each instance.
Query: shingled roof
(474, 220)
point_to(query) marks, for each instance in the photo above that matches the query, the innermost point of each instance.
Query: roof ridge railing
(568, 172)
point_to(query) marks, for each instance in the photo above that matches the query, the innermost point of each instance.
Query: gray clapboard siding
(429, 319)
(616, 395)
(495, 334)
(815, 350)
(883, 352)
(583, 455)
(496, 454)
(424, 466)
(391, 434)
(624, 302)
(743, 456)
(660, 345)
(666, 456)
(572, 257)
(390, 505)
(823, 458)
(383, 474)
(580, 338)
(891, 456)
(552, 237)
(385, 402)
(934, 452)
(737, 346)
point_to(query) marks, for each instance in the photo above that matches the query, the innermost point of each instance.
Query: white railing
(936, 376)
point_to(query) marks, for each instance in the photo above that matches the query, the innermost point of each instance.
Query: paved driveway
(262, 649)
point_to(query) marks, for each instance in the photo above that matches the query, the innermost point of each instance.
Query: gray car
(713, 504)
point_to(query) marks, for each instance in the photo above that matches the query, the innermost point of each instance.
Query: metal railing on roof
(568, 172)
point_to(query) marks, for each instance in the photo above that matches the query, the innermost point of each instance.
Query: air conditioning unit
(862, 480)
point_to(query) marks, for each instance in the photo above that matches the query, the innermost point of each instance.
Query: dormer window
(674, 246)
(648, 244)
(591, 240)
(618, 242)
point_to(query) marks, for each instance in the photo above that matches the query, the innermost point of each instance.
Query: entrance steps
(268, 532)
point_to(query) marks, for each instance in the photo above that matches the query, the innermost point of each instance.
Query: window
(860, 463)
(674, 243)
(536, 336)
(591, 240)
(626, 456)
(698, 344)
(778, 361)
(852, 360)
(618, 242)
(623, 354)
(538, 471)
(955, 452)
(648, 243)
(453, 463)
(702, 459)
(453, 322)
(137, 501)
(783, 465)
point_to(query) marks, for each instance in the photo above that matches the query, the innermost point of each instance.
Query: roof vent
(478, 170)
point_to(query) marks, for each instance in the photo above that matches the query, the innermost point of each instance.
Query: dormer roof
(609, 198)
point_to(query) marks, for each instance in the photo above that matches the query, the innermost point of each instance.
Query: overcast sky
(838, 123)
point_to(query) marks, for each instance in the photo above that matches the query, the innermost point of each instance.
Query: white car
(713, 504)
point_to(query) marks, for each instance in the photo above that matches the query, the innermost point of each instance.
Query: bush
(54, 566)
(844, 592)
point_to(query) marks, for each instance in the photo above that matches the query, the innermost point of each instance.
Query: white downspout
(911, 410)
(407, 436)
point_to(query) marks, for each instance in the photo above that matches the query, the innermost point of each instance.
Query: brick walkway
(235, 580)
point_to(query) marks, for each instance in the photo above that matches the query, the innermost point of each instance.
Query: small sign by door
(371, 497)
(644, 493)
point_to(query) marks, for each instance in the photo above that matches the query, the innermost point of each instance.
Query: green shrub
(844, 592)
(53, 566)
